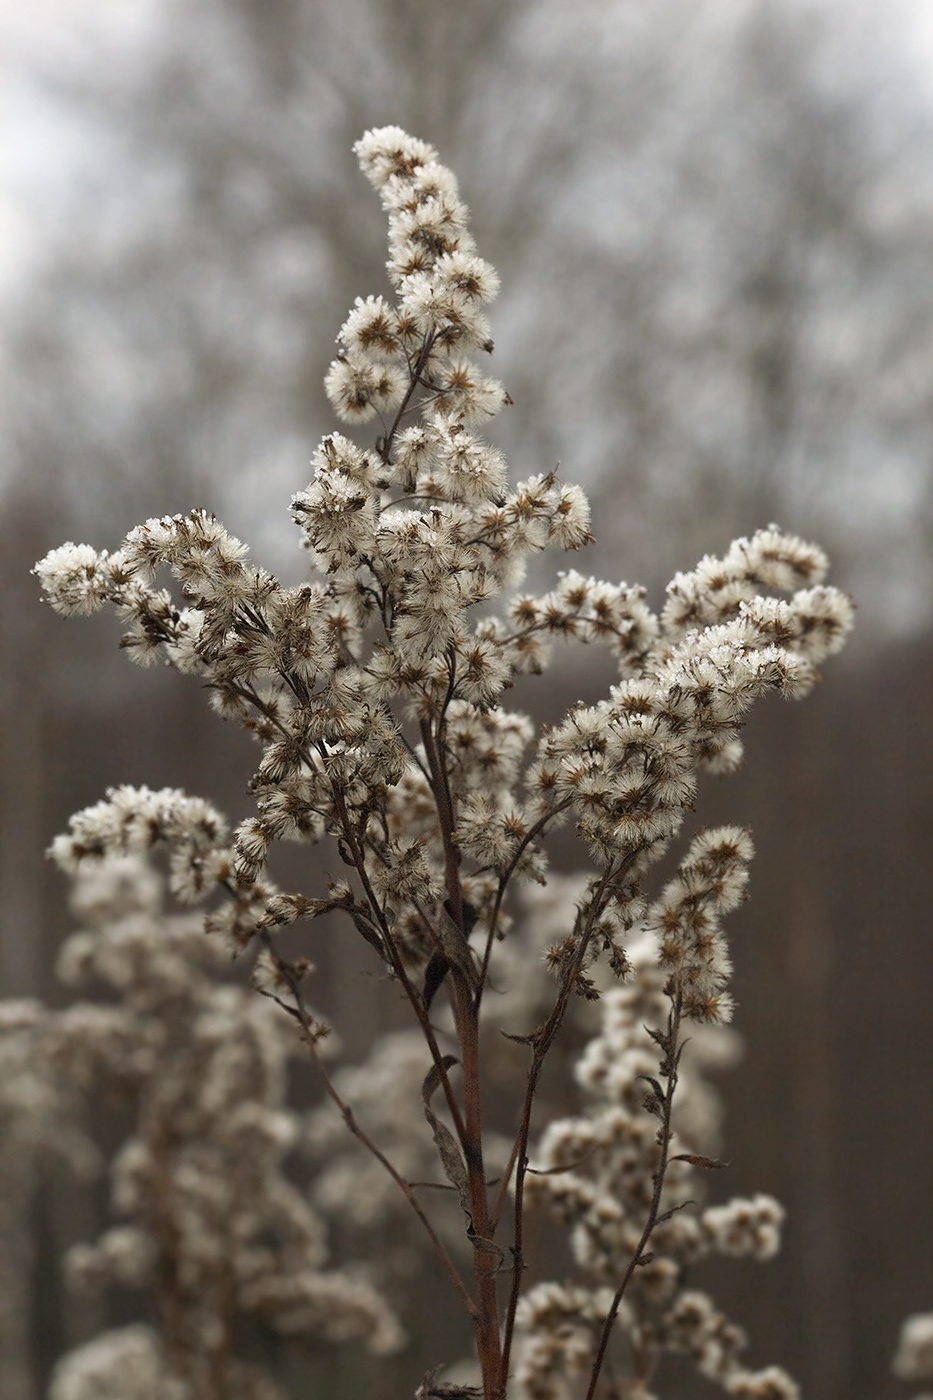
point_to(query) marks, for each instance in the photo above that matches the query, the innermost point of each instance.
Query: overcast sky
(40, 146)
(45, 146)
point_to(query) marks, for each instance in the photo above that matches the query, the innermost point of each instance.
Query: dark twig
(664, 1140)
(310, 1036)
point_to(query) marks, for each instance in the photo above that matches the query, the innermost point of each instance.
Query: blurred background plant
(204, 1218)
(733, 204)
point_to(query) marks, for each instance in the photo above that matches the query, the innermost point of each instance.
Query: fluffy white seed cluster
(558, 1324)
(125, 1364)
(594, 1173)
(410, 536)
(630, 763)
(129, 1363)
(385, 1091)
(750, 1228)
(913, 1360)
(134, 821)
(39, 1126)
(208, 1217)
(37, 1112)
(711, 881)
(374, 692)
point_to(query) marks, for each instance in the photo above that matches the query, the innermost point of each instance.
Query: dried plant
(209, 1223)
(374, 691)
(39, 1132)
(913, 1360)
(602, 1177)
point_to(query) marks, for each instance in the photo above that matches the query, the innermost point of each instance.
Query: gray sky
(46, 146)
(39, 145)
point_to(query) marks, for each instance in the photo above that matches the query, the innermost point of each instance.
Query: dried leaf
(660, 1038)
(343, 850)
(453, 1163)
(456, 948)
(669, 1214)
(470, 915)
(654, 1084)
(434, 974)
(444, 1140)
(372, 936)
(432, 1080)
(696, 1160)
(519, 1039)
(484, 1246)
(566, 1167)
(433, 1389)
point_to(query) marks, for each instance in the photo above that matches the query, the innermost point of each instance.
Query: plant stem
(504, 879)
(308, 1035)
(664, 1141)
(541, 1042)
(487, 1322)
(414, 379)
(466, 1020)
(415, 1000)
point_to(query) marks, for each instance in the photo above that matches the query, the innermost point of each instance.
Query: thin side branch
(664, 1140)
(310, 1037)
(541, 1042)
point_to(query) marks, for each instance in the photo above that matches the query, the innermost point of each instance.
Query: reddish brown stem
(487, 1322)
(310, 1038)
(467, 1026)
(504, 879)
(445, 811)
(541, 1042)
(411, 992)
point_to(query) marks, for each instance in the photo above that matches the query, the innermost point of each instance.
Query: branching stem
(669, 1073)
(530, 835)
(467, 1026)
(398, 967)
(310, 1037)
(541, 1042)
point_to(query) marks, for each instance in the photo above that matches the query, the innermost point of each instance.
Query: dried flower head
(375, 694)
